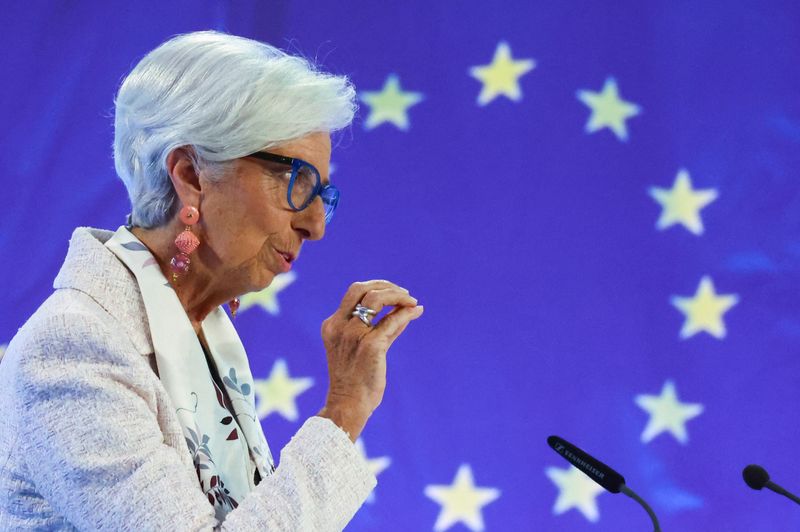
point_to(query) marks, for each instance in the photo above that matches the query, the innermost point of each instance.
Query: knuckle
(398, 287)
(328, 327)
(355, 286)
(380, 284)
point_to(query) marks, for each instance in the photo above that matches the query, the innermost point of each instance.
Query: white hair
(226, 97)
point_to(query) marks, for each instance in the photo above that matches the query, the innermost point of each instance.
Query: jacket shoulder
(70, 325)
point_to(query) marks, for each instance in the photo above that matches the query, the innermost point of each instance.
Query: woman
(128, 393)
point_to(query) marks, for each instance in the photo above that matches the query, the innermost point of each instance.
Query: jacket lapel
(94, 270)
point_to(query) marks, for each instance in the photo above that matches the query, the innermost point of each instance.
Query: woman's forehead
(316, 144)
(314, 148)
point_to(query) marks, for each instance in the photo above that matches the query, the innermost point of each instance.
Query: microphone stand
(777, 489)
(630, 493)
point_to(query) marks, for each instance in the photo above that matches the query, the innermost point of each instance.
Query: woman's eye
(282, 175)
(279, 171)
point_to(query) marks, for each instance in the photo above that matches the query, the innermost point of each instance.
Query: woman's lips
(285, 260)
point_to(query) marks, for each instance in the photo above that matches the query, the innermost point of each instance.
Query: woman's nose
(310, 222)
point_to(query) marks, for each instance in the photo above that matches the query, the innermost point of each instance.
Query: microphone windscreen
(591, 466)
(755, 476)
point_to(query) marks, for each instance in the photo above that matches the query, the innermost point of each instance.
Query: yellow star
(461, 501)
(267, 298)
(376, 465)
(390, 104)
(608, 110)
(575, 490)
(681, 204)
(667, 413)
(277, 393)
(501, 76)
(704, 311)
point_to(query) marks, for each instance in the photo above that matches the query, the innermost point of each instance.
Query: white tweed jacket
(90, 439)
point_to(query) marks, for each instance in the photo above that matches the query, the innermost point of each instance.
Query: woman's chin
(264, 280)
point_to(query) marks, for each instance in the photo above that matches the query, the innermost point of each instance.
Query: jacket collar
(93, 269)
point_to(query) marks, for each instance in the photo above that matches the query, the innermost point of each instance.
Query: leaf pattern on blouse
(243, 390)
(134, 246)
(213, 486)
(262, 458)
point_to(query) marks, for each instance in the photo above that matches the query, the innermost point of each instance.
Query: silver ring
(364, 314)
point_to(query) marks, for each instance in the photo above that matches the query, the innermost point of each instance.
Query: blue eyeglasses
(304, 184)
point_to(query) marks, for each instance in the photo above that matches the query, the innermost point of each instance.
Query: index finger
(357, 290)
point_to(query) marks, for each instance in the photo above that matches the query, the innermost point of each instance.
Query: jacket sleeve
(96, 452)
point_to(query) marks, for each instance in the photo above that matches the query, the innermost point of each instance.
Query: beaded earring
(233, 304)
(186, 242)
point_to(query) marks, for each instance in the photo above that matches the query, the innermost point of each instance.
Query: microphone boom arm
(632, 494)
(777, 489)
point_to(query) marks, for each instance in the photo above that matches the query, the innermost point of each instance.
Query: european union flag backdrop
(596, 202)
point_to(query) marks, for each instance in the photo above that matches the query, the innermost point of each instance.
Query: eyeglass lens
(304, 183)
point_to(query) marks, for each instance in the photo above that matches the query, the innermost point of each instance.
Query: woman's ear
(184, 175)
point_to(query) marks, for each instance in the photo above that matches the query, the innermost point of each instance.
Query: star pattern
(667, 414)
(461, 501)
(608, 109)
(390, 104)
(501, 76)
(526, 163)
(278, 392)
(575, 490)
(268, 297)
(681, 204)
(704, 311)
(376, 465)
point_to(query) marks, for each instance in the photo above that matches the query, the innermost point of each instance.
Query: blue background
(532, 243)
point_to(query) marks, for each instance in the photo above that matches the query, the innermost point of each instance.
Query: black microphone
(599, 472)
(757, 477)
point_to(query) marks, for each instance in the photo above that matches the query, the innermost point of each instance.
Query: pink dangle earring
(233, 304)
(186, 242)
